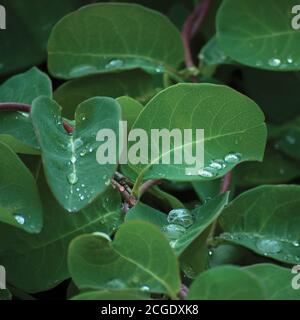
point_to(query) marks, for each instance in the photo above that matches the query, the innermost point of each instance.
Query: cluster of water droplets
(217, 165)
(277, 62)
(179, 220)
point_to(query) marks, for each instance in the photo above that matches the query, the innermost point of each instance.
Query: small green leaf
(130, 110)
(15, 127)
(38, 263)
(139, 257)
(263, 37)
(266, 220)
(20, 204)
(127, 41)
(226, 283)
(71, 168)
(233, 126)
(135, 83)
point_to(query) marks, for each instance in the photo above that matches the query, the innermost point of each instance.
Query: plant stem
(147, 185)
(15, 106)
(128, 198)
(190, 27)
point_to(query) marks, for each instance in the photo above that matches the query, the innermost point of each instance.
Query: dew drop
(173, 231)
(72, 178)
(233, 157)
(207, 172)
(24, 114)
(274, 62)
(268, 246)
(295, 243)
(78, 143)
(19, 218)
(290, 60)
(83, 153)
(116, 284)
(181, 217)
(145, 288)
(82, 70)
(73, 159)
(116, 63)
(159, 69)
(218, 164)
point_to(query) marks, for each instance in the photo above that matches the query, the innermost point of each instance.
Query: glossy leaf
(108, 295)
(20, 204)
(231, 123)
(15, 127)
(71, 168)
(127, 41)
(263, 37)
(139, 257)
(266, 220)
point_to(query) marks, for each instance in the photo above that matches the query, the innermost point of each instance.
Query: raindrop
(295, 243)
(145, 288)
(290, 60)
(19, 218)
(116, 284)
(72, 178)
(83, 152)
(207, 172)
(210, 253)
(78, 143)
(24, 114)
(160, 69)
(268, 246)
(218, 164)
(82, 197)
(274, 62)
(181, 217)
(116, 63)
(233, 157)
(172, 243)
(82, 70)
(174, 231)
(73, 159)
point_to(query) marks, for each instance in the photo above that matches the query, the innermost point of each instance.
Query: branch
(15, 106)
(148, 184)
(128, 198)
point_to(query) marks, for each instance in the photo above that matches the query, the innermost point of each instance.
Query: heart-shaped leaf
(263, 37)
(139, 257)
(135, 83)
(20, 204)
(71, 168)
(39, 262)
(116, 36)
(266, 220)
(15, 127)
(234, 130)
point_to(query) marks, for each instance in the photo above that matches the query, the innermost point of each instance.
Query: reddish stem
(226, 182)
(190, 27)
(15, 106)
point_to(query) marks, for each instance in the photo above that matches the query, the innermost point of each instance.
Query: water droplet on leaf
(180, 216)
(274, 62)
(268, 246)
(233, 157)
(19, 218)
(72, 178)
(113, 64)
(174, 231)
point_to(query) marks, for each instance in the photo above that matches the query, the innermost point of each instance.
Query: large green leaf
(29, 23)
(256, 282)
(266, 220)
(139, 257)
(233, 125)
(134, 83)
(114, 37)
(15, 127)
(20, 204)
(71, 168)
(39, 262)
(259, 33)
(226, 283)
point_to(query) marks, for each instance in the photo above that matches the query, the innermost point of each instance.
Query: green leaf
(127, 41)
(24, 41)
(130, 110)
(109, 295)
(15, 127)
(71, 169)
(231, 122)
(266, 220)
(134, 83)
(39, 262)
(207, 189)
(139, 257)
(276, 280)
(20, 204)
(263, 37)
(226, 283)
(276, 168)
(190, 245)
